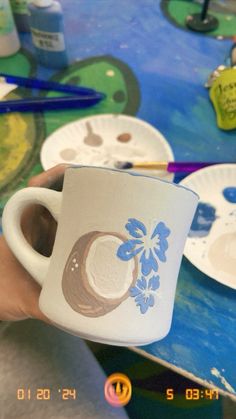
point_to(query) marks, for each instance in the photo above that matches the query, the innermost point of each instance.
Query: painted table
(141, 55)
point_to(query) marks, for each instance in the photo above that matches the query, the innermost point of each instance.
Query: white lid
(42, 3)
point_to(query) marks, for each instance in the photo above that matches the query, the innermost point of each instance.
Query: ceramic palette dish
(211, 244)
(102, 140)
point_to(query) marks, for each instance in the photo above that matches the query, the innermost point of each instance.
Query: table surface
(170, 65)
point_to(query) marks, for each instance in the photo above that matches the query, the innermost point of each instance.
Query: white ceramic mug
(113, 271)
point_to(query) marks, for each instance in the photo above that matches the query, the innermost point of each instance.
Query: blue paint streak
(204, 218)
(230, 194)
(203, 331)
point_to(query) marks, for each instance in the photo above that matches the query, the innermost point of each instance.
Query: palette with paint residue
(211, 244)
(102, 140)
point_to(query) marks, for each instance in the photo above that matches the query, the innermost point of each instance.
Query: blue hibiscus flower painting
(150, 247)
(143, 292)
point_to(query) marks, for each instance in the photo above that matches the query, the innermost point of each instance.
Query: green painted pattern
(178, 10)
(105, 74)
(20, 64)
(21, 135)
(17, 135)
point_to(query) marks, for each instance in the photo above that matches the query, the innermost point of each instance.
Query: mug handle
(36, 264)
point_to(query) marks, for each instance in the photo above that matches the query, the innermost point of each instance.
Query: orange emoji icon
(118, 389)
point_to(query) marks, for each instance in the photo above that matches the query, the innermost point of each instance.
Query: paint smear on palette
(105, 155)
(204, 218)
(230, 194)
(124, 138)
(68, 154)
(222, 253)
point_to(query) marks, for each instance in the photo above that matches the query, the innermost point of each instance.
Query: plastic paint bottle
(47, 29)
(9, 41)
(21, 14)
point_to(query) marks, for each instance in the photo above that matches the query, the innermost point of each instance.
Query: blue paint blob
(204, 218)
(230, 194)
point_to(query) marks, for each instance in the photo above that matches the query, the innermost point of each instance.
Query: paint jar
(223, 96)
(9, 41)
(21, 14)
(233, 55)
(47, 29)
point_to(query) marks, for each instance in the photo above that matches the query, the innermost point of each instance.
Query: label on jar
(48, 41)
(6, 19)
(20, 6)
(223, 97)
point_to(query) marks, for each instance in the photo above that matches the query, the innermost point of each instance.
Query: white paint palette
(211, 244)
(102, 140)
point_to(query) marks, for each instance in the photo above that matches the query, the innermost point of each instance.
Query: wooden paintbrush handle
(162, 165)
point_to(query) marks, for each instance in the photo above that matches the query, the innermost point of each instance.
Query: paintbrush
(49, 85)
(40, 104)
(172, 167)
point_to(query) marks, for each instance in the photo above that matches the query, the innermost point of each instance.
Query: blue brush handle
(48, 104)
(50, 85)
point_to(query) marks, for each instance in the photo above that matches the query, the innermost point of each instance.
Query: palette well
(102, 140)
(211, 243)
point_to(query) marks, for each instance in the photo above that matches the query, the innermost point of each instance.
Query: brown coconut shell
(75, 285)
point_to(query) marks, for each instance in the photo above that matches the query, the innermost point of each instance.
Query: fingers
(50, 177)
(37, 314)
(37, 223)
(19, 296)
(31, 304)
(29, 223)
(39, 228)
(46, 235)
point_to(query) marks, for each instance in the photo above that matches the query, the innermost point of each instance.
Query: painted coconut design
(95, 280)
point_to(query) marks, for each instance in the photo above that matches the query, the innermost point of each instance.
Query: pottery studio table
(161, 68)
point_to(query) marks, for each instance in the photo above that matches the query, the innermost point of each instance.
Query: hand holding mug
(19, 294)
(113, 270)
